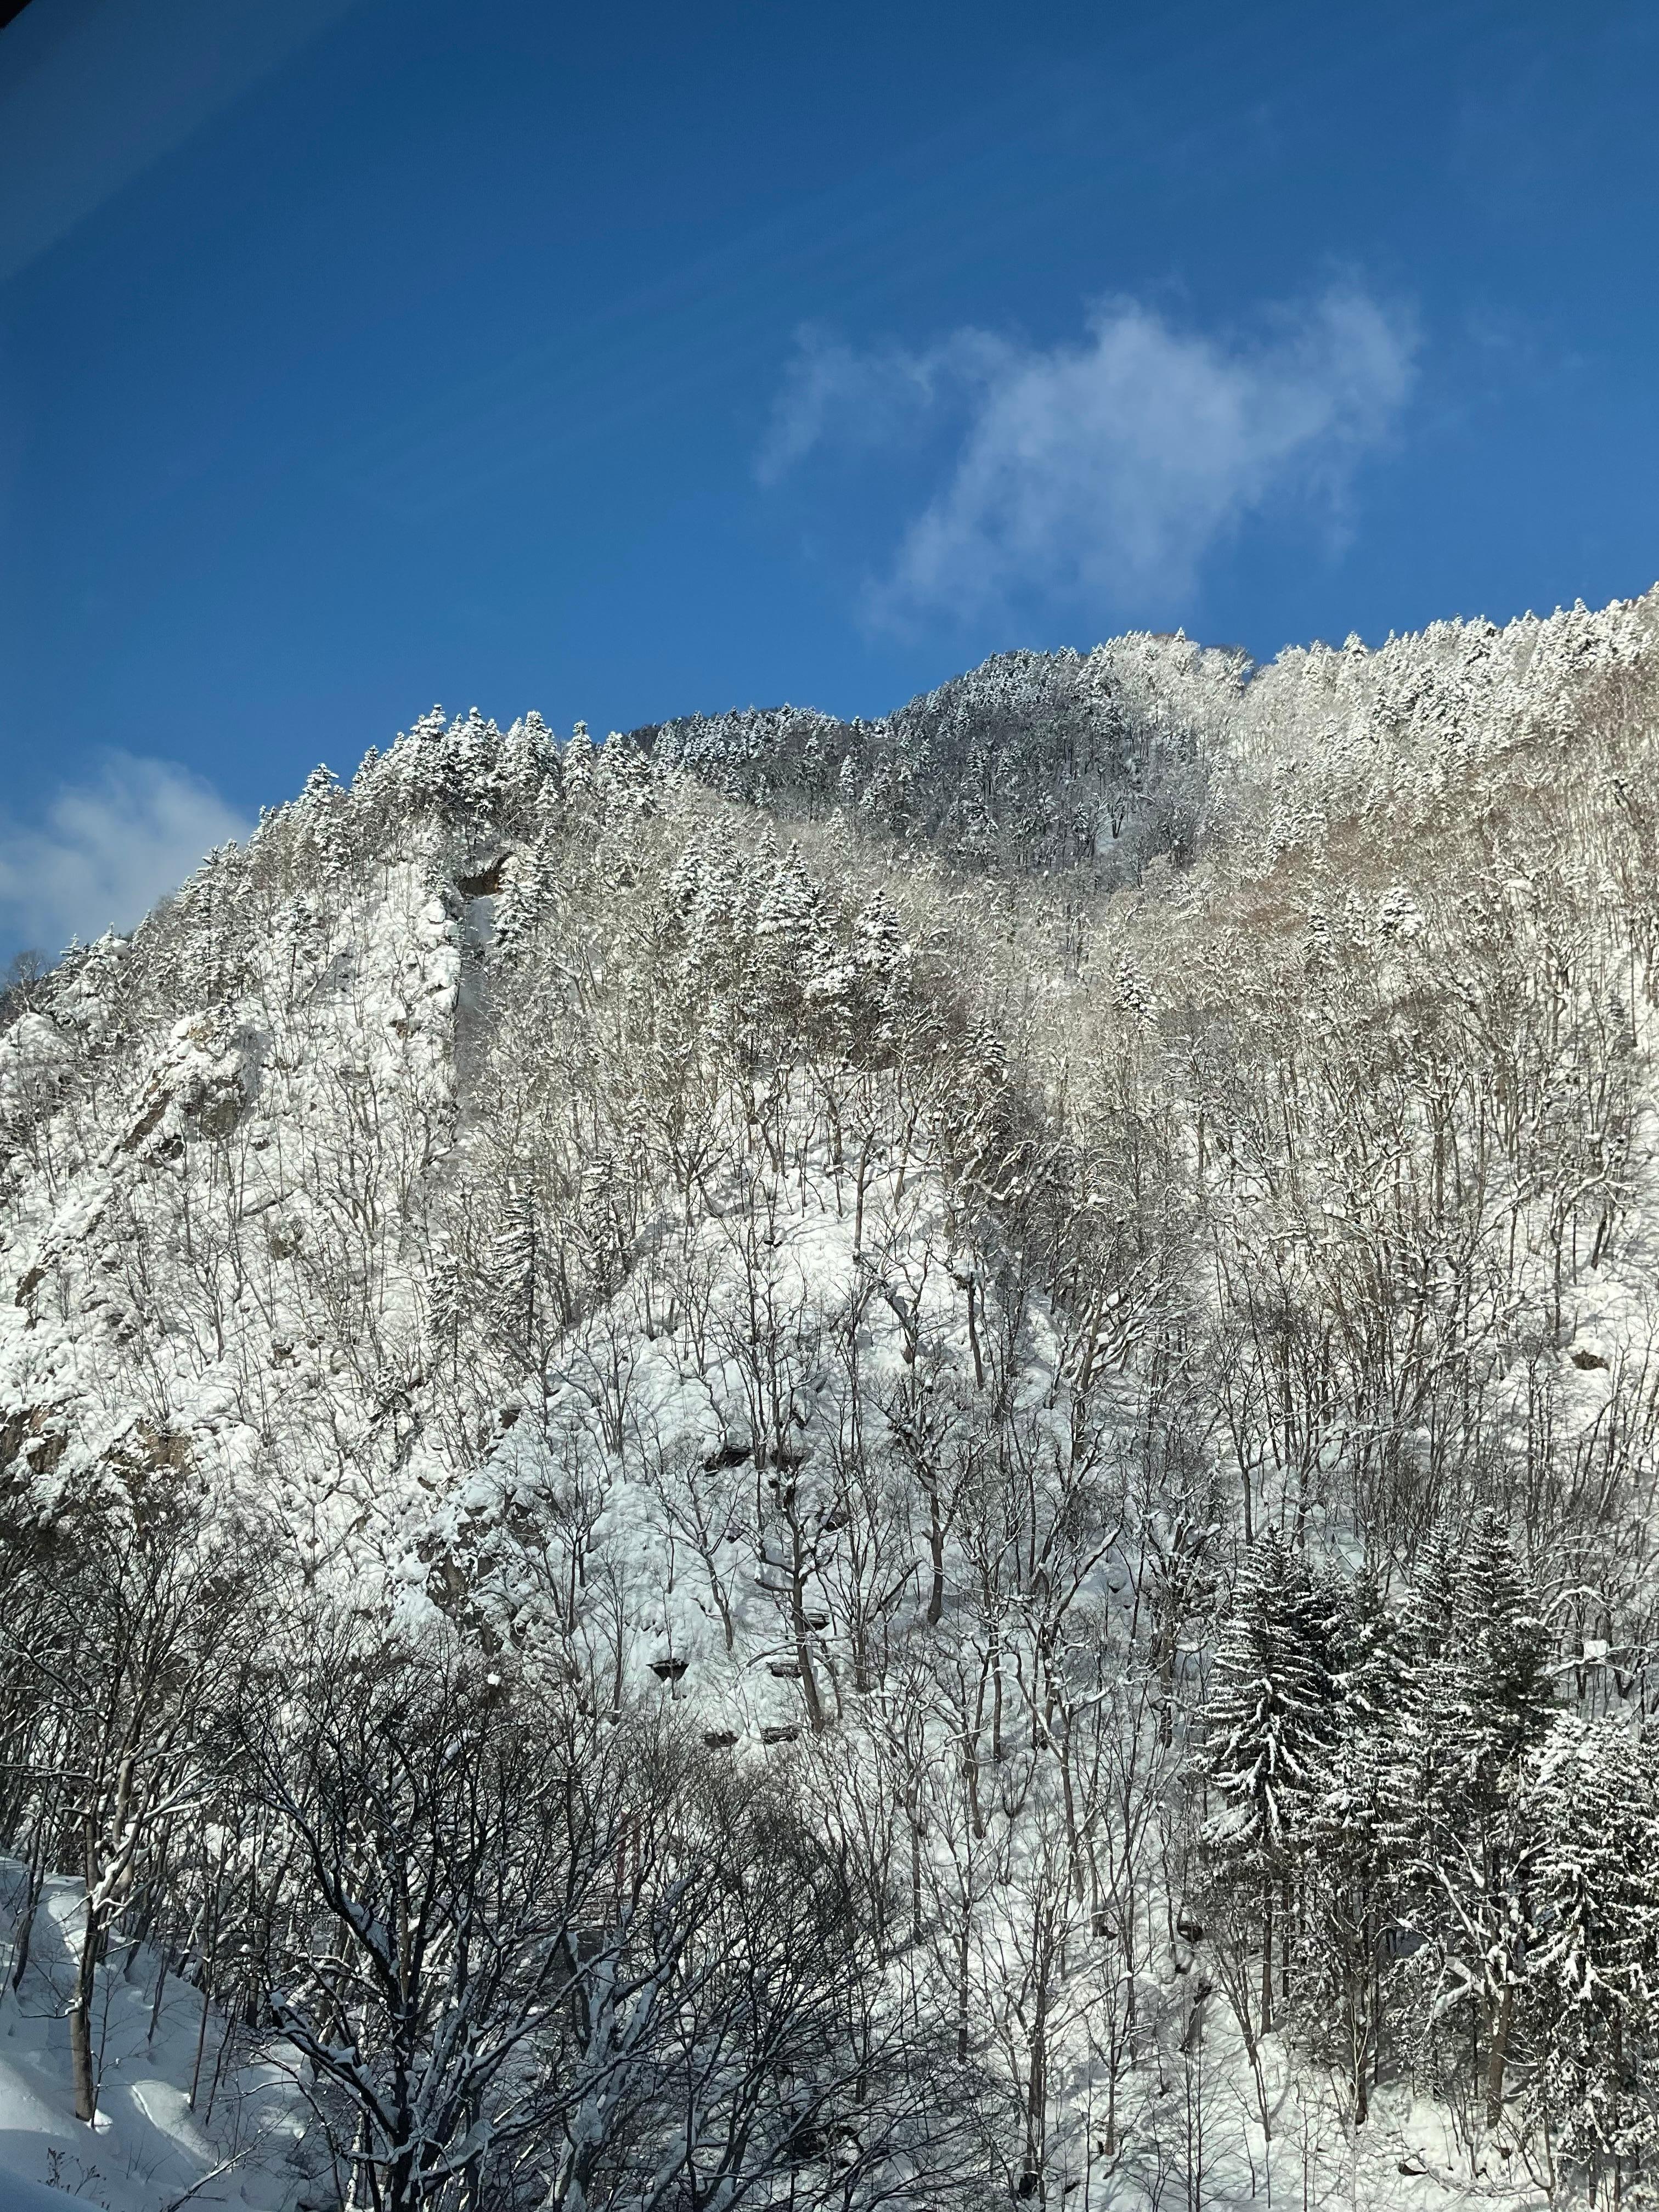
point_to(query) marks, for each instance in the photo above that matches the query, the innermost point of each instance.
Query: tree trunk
(36, 1879)
(81, 2067)
(80, 2013)
(936, 1548)
(961, 1991)
(1037, 2085)
(1496, 2055)
(1268, 1958)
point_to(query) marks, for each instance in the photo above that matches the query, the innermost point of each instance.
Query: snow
(146, 2149)
(18, 2195)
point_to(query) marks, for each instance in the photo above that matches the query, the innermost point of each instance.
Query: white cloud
(1103, 472)
(833, 393)
(105, 850)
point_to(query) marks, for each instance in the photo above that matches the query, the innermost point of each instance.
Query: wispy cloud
(1102, 472)
(103, 851)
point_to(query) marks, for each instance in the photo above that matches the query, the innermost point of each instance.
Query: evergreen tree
(880, 958)
(1352, 1866)
(1506, 1699)
(800, 962)
(576, 758)
(523, 757)
(445, 1296)
(513, 1269)
(520, 906)
(1478, 1704)
(1592, 1960)
(600, 1225)
(1271, 1726)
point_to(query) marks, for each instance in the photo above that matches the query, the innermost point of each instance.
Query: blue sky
(358, 354)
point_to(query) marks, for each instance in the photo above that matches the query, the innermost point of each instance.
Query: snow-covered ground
(182, 2117)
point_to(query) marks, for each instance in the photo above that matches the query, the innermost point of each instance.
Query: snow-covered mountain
(871, 1463)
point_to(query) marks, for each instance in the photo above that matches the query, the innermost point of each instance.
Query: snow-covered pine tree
(1591, 1961)
(1270, 1727)
(524, 757)
(518, 907)
(800, 962)
(445, 1297)
(1478, 1704)
(1352, 1868)
(576, 758)
(514, 1255)
(880, 959)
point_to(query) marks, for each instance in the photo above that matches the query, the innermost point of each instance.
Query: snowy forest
(885, 1464)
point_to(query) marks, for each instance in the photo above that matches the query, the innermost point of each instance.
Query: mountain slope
(1034, 1292)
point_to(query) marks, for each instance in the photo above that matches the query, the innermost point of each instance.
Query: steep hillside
(876, 1464)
